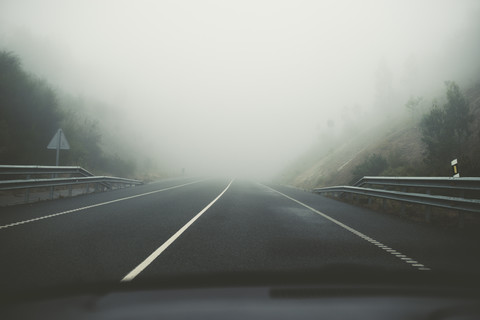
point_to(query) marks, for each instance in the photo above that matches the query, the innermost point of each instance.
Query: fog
(240, 87)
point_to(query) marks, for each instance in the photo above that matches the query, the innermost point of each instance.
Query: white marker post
(454, 164)
(59, 141)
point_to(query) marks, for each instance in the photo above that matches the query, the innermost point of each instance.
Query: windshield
(197, 142)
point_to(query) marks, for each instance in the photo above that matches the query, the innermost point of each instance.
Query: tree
(445, 130)
(413, 104)
(457, 112)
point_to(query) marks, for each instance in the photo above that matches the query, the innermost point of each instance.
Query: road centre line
(136, 271)
(380, 245)
(95, 205)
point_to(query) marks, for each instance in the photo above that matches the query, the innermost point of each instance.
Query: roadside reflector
(454, 164)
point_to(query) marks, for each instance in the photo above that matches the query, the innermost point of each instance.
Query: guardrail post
(54, 175)
(27, 191)
(461, 219)
(87, 188)
(428, 214)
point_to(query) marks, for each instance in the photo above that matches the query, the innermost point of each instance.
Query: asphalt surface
(240, 226)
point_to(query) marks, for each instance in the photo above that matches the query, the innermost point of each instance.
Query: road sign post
(58, 142)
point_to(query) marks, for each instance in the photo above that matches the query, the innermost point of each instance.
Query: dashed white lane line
(93, 206)
(136, 271)
(380, 245)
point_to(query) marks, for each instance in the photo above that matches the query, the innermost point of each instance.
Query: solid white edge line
(357, 233)
(136, 271)
(95, 205)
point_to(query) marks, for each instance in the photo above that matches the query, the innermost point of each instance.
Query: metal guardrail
(38, 170)
(471, 205)
(54, 182)
(86, 178)
(467, 183)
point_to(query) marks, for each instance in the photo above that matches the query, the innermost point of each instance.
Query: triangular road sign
(59, 140)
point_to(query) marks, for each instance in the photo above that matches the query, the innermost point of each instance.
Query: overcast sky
(241, 86)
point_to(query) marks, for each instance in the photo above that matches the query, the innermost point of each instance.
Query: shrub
(372, 166)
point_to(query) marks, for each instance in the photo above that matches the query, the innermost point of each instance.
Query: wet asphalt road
(207, 226)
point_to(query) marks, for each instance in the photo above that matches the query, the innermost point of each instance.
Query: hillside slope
(399, 141)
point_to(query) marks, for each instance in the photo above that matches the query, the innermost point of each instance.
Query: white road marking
(93, 206)
(136, 271)
(380, 245)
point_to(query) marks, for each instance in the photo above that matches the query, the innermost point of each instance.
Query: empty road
(203, 226)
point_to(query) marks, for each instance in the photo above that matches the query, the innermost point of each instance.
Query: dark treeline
(452, 131)
(30, 114)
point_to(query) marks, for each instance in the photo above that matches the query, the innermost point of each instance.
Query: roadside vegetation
(31, 112)
(421, 141)
(447, 133)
